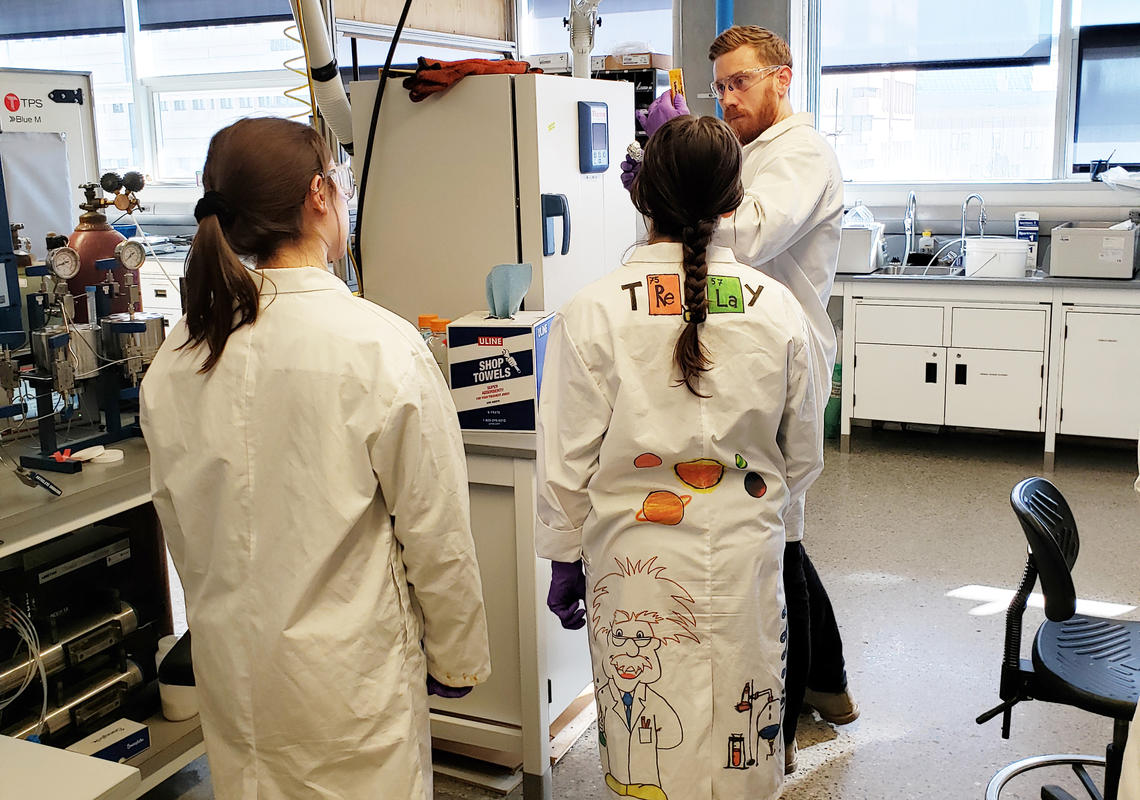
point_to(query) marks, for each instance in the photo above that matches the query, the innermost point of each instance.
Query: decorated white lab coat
(788, 227)
(674, 504)
(305, 486)
(1130, 773)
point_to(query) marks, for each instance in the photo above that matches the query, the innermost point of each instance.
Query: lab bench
(1040, 355)
(31, 517)
(538, 668)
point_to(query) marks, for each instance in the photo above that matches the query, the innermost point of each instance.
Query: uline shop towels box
(495, 366)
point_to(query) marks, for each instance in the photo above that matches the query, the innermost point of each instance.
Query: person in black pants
(817, 676)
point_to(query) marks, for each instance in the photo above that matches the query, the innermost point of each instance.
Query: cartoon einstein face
(636, 612)
(631, 652)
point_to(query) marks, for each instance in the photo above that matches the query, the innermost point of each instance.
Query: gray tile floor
(892, 527)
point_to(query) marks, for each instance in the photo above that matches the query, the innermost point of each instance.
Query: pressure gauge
(130, 254)
(64, 262)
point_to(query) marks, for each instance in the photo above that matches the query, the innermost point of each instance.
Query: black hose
(371, 138)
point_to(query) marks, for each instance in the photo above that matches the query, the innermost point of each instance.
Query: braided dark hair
(689, 178)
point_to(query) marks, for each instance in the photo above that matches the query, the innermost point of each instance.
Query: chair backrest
(1053, 542)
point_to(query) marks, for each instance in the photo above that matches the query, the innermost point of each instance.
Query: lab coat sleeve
(777, 208)
(159, 491)
(420, 464)
(573, 417)
(800, 437)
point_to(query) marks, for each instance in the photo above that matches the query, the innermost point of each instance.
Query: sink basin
(933, 271)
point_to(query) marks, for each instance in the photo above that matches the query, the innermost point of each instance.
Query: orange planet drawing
(664, 508)
(647, 460)
(703, 474)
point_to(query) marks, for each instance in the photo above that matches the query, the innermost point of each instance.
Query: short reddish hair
(770, 47)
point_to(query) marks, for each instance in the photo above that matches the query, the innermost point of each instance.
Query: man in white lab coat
(788, 227)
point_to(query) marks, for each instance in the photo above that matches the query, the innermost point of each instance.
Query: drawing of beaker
(736, 751)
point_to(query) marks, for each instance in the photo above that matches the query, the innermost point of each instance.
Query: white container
(992, 257)
(1095, 250)
(861, 249)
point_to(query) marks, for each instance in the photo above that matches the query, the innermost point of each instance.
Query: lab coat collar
(794, 121)
(295, 280)
(673, 253)
(619, 707)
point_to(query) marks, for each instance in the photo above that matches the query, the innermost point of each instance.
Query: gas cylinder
(94, 239)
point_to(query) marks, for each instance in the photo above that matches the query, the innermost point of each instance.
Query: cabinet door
(900, 383)
(1100, 378)
(995, 389)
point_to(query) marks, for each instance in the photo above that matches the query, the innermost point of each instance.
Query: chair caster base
(1008, 773)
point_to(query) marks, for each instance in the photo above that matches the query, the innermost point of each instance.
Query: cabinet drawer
(155, 269)
(999, 328)
(161, 295)
(910, 325)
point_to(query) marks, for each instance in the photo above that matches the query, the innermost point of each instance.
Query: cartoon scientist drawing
(635, 612)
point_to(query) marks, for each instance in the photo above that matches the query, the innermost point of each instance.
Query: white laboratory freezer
(489, 172)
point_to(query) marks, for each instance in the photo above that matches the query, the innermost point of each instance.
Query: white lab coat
(788, 227)
(305, 486)
(674, 504)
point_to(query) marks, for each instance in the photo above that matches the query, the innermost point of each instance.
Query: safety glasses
(342, 176)
(742, 81)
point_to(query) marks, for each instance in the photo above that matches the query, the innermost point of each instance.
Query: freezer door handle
(555, 205)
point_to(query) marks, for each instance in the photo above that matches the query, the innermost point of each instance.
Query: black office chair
(1087, 662)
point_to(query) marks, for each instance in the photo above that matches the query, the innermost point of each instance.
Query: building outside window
(905, 83)
(185, 65)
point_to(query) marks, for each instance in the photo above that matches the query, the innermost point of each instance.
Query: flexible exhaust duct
(583, 21)
(327, 86)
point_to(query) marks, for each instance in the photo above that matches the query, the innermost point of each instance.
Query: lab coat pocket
(645, 735)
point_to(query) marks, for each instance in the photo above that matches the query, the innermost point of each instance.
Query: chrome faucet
(909, 219)
(981, 216)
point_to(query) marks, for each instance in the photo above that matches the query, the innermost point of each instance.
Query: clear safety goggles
(742, 81)
(342, 176)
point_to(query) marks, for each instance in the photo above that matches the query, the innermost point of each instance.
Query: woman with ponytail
(308, 472)
(678, 420)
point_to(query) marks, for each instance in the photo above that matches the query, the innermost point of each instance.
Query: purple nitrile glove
(567, 591)
(437, 688)
(629, 170)
(663, 109)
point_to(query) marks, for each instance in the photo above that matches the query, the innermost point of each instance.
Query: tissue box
(119, 741)
(495, 367)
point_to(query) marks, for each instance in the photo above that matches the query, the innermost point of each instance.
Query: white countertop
(34, 770)
(1046, 282)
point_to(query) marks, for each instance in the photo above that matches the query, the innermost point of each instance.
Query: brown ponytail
(257, 176)
(690, 177)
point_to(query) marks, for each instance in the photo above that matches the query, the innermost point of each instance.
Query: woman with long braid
(678, 420)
